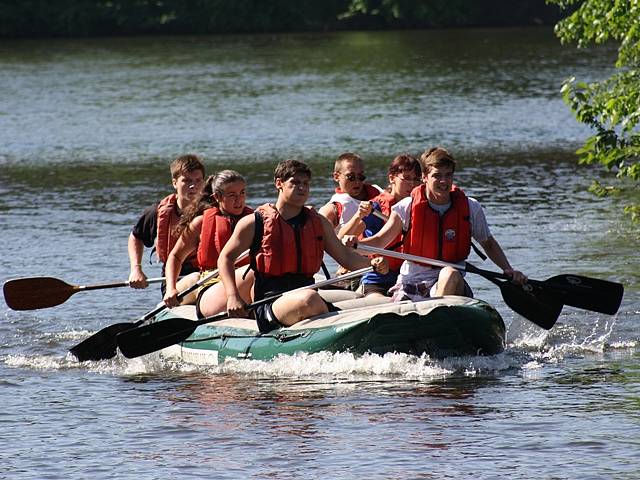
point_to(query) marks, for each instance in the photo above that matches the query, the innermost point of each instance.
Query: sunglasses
(352, 177)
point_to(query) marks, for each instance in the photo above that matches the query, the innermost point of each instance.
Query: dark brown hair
(288, 168)
(186, 164)
(404, 163)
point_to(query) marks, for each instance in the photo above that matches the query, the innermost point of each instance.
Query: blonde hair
(346, 157)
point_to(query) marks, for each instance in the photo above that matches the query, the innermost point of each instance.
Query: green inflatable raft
(439, 327)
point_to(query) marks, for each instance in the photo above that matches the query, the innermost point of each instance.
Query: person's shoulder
(151, 209)
(474, 204)
(402, 204)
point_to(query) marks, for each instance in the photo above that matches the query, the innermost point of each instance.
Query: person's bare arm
(494, 251)
(389, 231)
(185, 246)
(348, 257)
(355, 226)
(135, 248)
(240, 241)
(329, 212)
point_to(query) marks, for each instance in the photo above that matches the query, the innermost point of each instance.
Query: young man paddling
(438, 221)
(156, 226)
(348, 172)
(287, 241)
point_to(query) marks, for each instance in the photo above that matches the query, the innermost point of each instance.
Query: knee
(311, 298)
(450, 273)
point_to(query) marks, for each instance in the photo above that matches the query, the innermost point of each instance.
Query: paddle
(156, 336)
(102, 344)
(31, 293)
(538, 301)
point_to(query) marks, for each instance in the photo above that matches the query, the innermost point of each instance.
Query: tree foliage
(611, 106)
(82, 18)
(448, 13)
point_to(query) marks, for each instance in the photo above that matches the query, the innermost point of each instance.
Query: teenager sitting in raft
(156, 226)
(287, 241)
(403, 174)
(348, 172)
(205, 229)
(439, 221)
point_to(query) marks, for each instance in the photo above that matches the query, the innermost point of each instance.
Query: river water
(87, 129)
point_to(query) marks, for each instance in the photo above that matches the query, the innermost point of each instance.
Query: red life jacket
(216, 232)
(386, 201)
(446, 237)
(284, 249)
(168, 219)
(346, 204)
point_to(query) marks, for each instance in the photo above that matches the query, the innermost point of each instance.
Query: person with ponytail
(204, 229)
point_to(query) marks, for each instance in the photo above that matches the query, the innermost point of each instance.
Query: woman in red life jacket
(205, 230)
(403, 174)
(156, 226)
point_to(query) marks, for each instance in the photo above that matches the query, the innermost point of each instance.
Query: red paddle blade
(36, 292)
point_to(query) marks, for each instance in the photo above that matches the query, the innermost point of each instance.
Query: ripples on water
(87, 129)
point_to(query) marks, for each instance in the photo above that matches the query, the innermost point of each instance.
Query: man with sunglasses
(348, 172)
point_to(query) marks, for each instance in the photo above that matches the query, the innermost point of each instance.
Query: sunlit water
(87, 129)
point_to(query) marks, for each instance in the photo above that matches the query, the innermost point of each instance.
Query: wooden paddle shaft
(80, 288)
(407, 256)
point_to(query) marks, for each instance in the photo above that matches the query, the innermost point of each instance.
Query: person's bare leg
(290, 309)
(214, 299)
(186, 282)
(450, 282)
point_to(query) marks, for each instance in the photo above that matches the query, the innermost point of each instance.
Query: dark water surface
(87, 129)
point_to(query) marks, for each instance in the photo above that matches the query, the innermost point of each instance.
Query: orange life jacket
(216, 231)
(284, 249)
(386, 201)
(446, 237)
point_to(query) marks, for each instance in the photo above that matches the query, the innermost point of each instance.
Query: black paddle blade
(532, 302)
(101, 345)
(155, 336)
(587, 293)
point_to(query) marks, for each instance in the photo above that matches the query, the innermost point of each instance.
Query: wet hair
(186, 164)
(215, 184)
(436, 157)
(346, 157)
(404, 163)
(288, 168)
